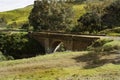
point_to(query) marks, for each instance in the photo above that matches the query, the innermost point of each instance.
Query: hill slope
(16, 17)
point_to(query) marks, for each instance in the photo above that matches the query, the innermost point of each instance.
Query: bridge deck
(75, 35)
(64, 34)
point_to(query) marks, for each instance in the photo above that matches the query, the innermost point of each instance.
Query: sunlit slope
(16, 17)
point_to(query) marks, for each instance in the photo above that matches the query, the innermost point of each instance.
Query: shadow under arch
(28, 49)
(37, 47)
(58, 46)
(41, 49)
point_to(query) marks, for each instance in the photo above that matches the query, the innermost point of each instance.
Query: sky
(6, 5)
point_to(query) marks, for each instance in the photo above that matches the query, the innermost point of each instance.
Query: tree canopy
(100, 15)
(51, 15)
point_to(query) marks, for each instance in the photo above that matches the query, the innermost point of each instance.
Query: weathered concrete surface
(71, 42)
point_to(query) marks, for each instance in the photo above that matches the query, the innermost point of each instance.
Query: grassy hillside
(61, 66)
(16, 17)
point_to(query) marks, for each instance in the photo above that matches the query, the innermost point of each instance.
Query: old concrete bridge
(71, 42)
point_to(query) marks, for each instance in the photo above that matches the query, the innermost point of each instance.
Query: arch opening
(58, 46)
(41, 49)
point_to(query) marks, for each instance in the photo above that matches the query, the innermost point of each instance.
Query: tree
(93, 19)
(112, 15)
(51, 15)
(38, 13)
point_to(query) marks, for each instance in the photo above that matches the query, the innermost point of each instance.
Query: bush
(99, 43)
(114, 45)
(2, 57)
(19, 45)
(105, 45)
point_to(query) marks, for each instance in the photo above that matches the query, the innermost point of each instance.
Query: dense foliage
(19, 45)
(56, 15)
(112, 15)
(100, 15)
(51, 15)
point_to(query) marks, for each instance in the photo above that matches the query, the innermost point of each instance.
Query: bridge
(71, 42)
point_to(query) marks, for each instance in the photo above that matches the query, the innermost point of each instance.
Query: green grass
(58, 66)
(41, 57)
(73, 73)
(19, 16)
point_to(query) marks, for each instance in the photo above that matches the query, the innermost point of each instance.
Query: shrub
(19, 45)
(105, 45)
(114, 45)
(98, 44)
(2, 57)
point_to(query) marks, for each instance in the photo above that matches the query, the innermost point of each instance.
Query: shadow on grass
(94, 59)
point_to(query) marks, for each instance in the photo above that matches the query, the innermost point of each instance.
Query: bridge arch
(58, 45)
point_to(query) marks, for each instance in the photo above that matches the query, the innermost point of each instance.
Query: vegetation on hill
(16, 18)
(55, 15)
(90, 16)
(100, 15)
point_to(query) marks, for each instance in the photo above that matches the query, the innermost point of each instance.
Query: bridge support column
(69, 45)
(47, 46)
